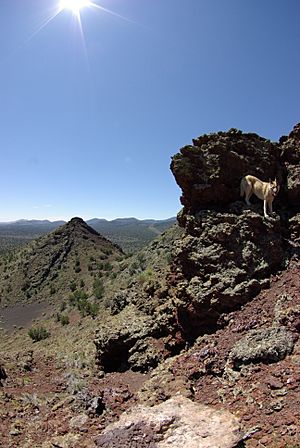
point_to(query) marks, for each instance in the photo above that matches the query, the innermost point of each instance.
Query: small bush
(91, 309)
(98, 288)
(64, 319)
(107, 266)
(145, 276)
(79, 299)
(72, 286)
(38, 333)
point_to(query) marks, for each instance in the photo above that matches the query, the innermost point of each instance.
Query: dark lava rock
(290, 155)
(209, 171)
(266, 346)
(138, 435)
(224, 267)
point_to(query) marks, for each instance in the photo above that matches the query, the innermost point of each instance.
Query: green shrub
(64, 319)
(38, 333)
(91, 309)
(79, 299)
(98, 288)
(72, 285)
(107, 266)
(145, 276)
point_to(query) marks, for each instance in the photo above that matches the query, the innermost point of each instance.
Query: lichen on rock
(265, 345)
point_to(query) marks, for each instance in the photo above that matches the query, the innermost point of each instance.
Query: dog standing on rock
(267, 191)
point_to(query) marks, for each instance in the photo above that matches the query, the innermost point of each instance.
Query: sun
(74, 5)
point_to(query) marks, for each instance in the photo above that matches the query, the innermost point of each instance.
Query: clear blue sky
(88, 127)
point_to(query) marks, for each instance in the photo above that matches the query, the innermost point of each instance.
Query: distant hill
(53, 265)
(130, 233)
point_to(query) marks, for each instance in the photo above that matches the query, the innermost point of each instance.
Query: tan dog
(263, 190)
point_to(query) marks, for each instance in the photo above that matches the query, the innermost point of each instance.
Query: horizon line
(54, 219)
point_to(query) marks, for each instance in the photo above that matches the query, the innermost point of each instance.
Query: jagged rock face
(290, 147)
(209, 171)
(223, 267)
(226, 256)
(178, 422)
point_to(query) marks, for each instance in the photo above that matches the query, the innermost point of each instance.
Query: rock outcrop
(224, 256)
(177, 422)
(290, 155)
(210, 170)
(229, 251)
(266, 345)
(223, 267)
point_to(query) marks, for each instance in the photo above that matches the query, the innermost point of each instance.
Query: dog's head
(274, 187)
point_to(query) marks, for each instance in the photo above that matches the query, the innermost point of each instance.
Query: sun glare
(74, 5)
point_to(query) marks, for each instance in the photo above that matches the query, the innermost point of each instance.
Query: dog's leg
(265, 209)
(271, 207)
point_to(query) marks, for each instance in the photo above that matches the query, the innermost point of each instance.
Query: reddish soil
(266, 397)
(38, 402)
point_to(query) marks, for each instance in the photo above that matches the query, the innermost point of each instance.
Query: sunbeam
(75, 7)
(108, 11)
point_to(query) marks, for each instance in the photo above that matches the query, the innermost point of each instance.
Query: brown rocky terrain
(208, 313)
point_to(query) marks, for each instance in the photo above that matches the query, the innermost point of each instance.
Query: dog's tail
(242, 187)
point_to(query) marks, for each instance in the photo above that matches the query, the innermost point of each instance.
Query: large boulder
(178, 422)
(265, 345)
(132, 340)
(209, 171)
(224, 266)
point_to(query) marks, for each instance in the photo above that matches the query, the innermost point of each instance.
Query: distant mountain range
(130, 233)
